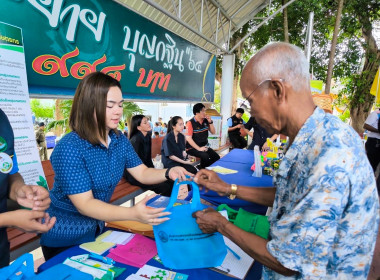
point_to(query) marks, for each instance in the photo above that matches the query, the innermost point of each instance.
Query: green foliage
(352, 47)
(129, 110)
(65, 108)
(217, 95)
(41, 111)
(345, 116)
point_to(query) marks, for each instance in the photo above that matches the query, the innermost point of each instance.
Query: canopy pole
(227, 89)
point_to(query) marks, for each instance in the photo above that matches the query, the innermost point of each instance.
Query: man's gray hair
(283, 60)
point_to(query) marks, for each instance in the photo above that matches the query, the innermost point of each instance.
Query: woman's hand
(179, 173)
(34, 197)
(30, 221)
(148, 215)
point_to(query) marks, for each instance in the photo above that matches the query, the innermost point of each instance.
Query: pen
(233, 253)
(101, 258)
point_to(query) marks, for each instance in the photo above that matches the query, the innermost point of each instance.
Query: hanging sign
(14, 101)
(66, 40)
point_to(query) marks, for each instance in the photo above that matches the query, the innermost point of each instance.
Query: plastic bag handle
(195, 203)
(23, 271)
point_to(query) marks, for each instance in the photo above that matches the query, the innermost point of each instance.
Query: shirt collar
(112, 136)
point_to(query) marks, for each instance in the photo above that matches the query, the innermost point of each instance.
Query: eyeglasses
(244, 103)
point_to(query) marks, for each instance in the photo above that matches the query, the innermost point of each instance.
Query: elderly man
(324, 221)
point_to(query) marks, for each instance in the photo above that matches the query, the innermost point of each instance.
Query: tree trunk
(362, 100)
(58, 116)
(333, 46)
(285, 17)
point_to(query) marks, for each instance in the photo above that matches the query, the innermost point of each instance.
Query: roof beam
(167, 13)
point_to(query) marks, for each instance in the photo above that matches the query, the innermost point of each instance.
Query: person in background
(164, 129)
(235, 123)
(88, 164)
(160, 121)
(372, 145)
(197, 136)
(325, 216)
(259, 135)
(41, 141)
(157, 128)
(156, 134)
(125, 132)
(173, 149)
(12, 186)
(150, 122)
(142, 144)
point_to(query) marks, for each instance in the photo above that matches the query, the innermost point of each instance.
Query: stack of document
(151, 272)
(136, 252)
(106, 241)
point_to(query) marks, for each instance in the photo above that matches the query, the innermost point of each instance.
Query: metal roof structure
(208, 24)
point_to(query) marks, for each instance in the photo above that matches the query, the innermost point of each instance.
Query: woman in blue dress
(88, 164)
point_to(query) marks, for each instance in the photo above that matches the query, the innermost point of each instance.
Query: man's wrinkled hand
(209, 220)
(211, 181)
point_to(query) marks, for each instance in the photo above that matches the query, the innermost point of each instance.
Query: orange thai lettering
(114, 71)
(50, 64)
(81, 69)
(152, 79)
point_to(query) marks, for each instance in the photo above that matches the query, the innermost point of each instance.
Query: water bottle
(257, 156)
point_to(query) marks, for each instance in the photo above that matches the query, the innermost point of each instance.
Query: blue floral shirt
(326, 211)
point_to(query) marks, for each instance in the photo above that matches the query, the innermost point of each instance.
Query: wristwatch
(167, 173)
(232, 195)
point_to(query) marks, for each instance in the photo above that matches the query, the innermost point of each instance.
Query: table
(240, 160)
(194, 274)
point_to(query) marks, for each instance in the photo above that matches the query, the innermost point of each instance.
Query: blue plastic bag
(21, 269)
(180, 242)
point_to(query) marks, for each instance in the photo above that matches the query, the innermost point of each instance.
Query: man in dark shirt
(260, 135)
(197, 136)
(235, 123)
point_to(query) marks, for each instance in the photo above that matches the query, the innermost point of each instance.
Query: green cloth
(247, 221)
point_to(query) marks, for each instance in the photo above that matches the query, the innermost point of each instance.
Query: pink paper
(136, 253)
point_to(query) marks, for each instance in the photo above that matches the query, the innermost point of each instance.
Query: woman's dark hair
(135, 122)
(91, 96)
(173, 122)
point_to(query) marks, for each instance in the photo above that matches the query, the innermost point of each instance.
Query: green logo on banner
(3, 144)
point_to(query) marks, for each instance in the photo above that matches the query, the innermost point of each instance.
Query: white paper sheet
(119, 237)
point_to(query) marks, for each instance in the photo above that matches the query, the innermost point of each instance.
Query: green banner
(64, 40)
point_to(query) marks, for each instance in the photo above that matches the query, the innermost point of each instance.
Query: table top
(194, 274)
(240, 160)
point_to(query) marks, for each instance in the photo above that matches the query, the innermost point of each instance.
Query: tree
(333, 46)
(357, 55)
(41, 111)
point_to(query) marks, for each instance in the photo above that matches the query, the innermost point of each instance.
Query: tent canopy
(207, 23)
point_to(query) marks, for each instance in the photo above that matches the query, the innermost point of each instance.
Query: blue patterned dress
(79, 167)
(326, 211)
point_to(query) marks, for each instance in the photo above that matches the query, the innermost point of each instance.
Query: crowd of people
(325, 215)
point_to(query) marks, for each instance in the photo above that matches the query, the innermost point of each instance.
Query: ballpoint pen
(233, 253)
